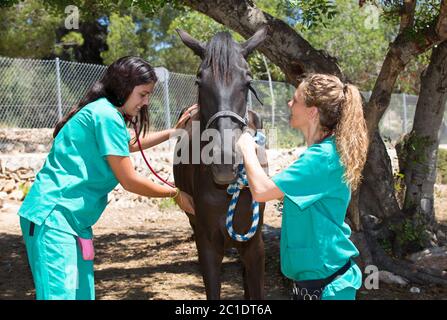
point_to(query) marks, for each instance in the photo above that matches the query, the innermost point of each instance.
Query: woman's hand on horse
(185, 202)
(185, 116)
(246, 142)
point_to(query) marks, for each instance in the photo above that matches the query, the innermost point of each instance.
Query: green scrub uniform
(68, 197)
(314, 236)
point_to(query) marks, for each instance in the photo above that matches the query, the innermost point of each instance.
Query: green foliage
(410, 233)
(25, 188)
(198, 25)
(313, 13)
(358, 45)
(69, 42)
(415, 147)
(399, 182)
(442, 165)
(259, 69)
(425, 16)
(386, 246)
(90, 10)
(8, 3)
(166, 204)
(122, 39)
(73, 38)
(28, 30)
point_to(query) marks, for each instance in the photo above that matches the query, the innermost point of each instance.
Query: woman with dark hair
(89, 157)
(315, 249)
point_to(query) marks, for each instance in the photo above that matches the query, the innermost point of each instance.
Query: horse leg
(210, 262)
(192, 223)
(253, 259)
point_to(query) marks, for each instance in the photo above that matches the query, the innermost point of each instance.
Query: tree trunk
(420, 147)
(95, 36)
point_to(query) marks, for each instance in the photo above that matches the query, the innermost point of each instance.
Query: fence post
(404, 123)
(58, 89)
(250, 102)
(163, 77)
(271, 90)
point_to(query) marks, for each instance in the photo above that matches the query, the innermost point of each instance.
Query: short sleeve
(305, 181)
(111, 134)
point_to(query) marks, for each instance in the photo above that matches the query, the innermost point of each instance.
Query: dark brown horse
(223, 82)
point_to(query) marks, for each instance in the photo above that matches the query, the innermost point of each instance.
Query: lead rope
(234, 189)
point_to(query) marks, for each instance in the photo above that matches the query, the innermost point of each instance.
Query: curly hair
(340, 112)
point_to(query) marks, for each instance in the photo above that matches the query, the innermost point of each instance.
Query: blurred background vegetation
(111, 29)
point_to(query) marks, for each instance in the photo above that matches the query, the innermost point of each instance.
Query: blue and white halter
(235, 190)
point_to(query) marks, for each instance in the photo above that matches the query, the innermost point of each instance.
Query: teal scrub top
(75, 179)
(314, 236)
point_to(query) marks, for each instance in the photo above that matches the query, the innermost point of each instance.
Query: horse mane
(221, 54)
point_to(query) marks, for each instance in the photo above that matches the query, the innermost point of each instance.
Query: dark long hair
(116, 85)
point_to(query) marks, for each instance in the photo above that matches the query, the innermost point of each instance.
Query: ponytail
(351, 136)
(340, 111)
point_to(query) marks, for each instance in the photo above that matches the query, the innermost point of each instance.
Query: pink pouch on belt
(86, 245)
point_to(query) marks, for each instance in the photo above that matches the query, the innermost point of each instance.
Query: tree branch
(401, 51)
(441, 26)
(407, 15)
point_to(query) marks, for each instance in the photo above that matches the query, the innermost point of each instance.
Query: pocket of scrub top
(305, 201)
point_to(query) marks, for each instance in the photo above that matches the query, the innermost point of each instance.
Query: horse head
(223, 81)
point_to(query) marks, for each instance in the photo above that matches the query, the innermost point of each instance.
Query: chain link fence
(35, 94)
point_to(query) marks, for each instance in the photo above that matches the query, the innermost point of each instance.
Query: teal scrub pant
(345, 294)
(59, 272)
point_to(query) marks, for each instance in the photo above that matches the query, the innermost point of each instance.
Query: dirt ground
(145, 253)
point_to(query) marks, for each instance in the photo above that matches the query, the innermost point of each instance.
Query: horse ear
(251, 44)
(194, 44)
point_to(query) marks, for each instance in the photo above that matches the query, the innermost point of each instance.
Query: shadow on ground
(141, 264)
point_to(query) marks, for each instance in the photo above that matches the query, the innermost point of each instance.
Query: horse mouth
(221, 186)
(223, 177)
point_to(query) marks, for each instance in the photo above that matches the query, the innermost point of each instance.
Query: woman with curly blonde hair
(316, 252)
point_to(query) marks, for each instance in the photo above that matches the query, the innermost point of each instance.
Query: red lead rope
(144, 157)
